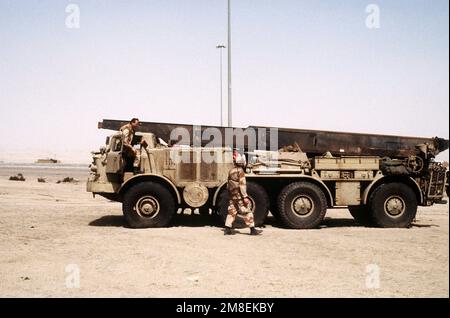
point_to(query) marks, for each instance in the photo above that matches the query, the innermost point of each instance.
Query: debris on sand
(68, 180)
(42, 180)
(194, 278)
(19, 177)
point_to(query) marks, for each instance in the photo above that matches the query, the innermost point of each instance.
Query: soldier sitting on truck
(129, 152)
(239, 202)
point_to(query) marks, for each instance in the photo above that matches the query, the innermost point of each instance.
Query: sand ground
(56, 240)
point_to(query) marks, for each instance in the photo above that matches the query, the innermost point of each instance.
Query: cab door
(114, 159)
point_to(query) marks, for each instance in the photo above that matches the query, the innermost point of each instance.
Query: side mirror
(107, 140)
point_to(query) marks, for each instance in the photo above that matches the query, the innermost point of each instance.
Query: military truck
(296, 185)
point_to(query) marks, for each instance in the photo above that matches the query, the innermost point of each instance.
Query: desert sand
(51, 232)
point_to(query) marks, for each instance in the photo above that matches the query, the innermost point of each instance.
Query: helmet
(239, 159)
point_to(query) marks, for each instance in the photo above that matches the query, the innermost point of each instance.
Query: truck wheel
(302, 205)
(260, 205)
(362, 215)
(148, 204)
(393, 205)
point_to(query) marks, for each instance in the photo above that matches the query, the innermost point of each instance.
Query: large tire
(148, 204)
(260, 205)
(302, 205)
(362, 215)
(393, 205)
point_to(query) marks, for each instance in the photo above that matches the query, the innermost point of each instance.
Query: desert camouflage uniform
(129, 151)
(237, 188)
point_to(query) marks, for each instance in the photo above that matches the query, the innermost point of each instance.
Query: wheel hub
(394, 206)
(302, 205)
(148, 206)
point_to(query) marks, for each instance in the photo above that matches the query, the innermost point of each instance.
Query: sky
(310, 64)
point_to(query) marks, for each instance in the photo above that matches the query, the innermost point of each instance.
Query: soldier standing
(239, 202)
(128, 132)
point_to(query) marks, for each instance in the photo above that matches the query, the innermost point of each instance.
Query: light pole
(230, 115)
(220, 47)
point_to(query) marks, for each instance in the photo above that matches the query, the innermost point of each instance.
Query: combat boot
(254, 231)
(228, 231)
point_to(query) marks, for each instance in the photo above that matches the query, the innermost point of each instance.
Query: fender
(309, 178)
(322, 185)
(149, 177)
(216, 193)
(379, 179)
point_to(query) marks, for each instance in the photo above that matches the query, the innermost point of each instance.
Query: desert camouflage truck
(296, 185)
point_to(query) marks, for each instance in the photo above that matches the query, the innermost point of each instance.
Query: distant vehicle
(48, 160)
(382, 179)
